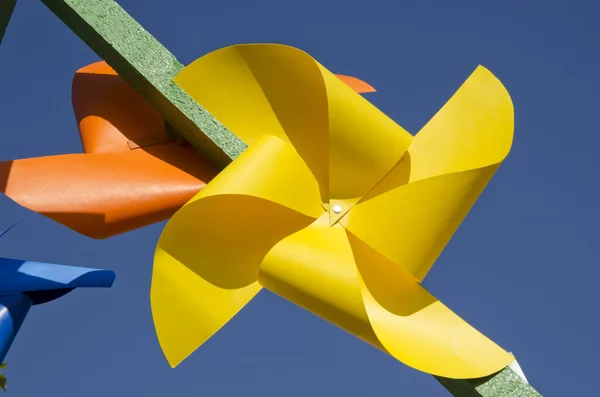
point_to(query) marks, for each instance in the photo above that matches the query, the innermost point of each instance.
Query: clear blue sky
(523, 268)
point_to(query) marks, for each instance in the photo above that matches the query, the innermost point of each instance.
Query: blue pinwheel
(26, 283)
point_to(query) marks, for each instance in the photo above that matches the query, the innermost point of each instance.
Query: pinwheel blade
(32, 278)
(314, 268)
(416, 328)
(26, 283)
(207, 258)
(131, 175)
(333, 274)
(99, 195)
(356, 84)
(282, 91)
(412, 213)
(13, 311)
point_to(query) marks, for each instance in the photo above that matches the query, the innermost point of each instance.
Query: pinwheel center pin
(337, 209)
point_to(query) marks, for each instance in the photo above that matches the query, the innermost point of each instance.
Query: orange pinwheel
(131, 174)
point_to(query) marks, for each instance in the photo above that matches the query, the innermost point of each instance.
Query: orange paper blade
(356, 84)
(131, 174)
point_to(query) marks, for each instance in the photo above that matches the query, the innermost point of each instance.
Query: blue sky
(523, 267)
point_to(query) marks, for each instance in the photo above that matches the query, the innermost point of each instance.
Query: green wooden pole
(150, 68)
(506, 383)
(6, 10)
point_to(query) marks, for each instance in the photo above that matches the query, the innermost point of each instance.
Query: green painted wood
(506, 383)
(149, 68)
(6, 10)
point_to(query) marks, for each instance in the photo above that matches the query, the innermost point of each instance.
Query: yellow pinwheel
(333, 206)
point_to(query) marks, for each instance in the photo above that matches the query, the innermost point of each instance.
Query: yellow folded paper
(333, 206)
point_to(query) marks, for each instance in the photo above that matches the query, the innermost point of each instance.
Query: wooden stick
(150, 68)
(506, 383)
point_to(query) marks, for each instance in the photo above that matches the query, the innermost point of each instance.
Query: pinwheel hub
(335, 212)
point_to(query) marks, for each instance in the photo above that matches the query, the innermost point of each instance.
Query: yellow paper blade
(347, 143)
(364, 145)
(271, 170)
(207, 258)
(314, 269)
(412, 213)
(188, 309)
(412, 224)
(342, 280)
(416, 328)
(258, 89)
(474, 129)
